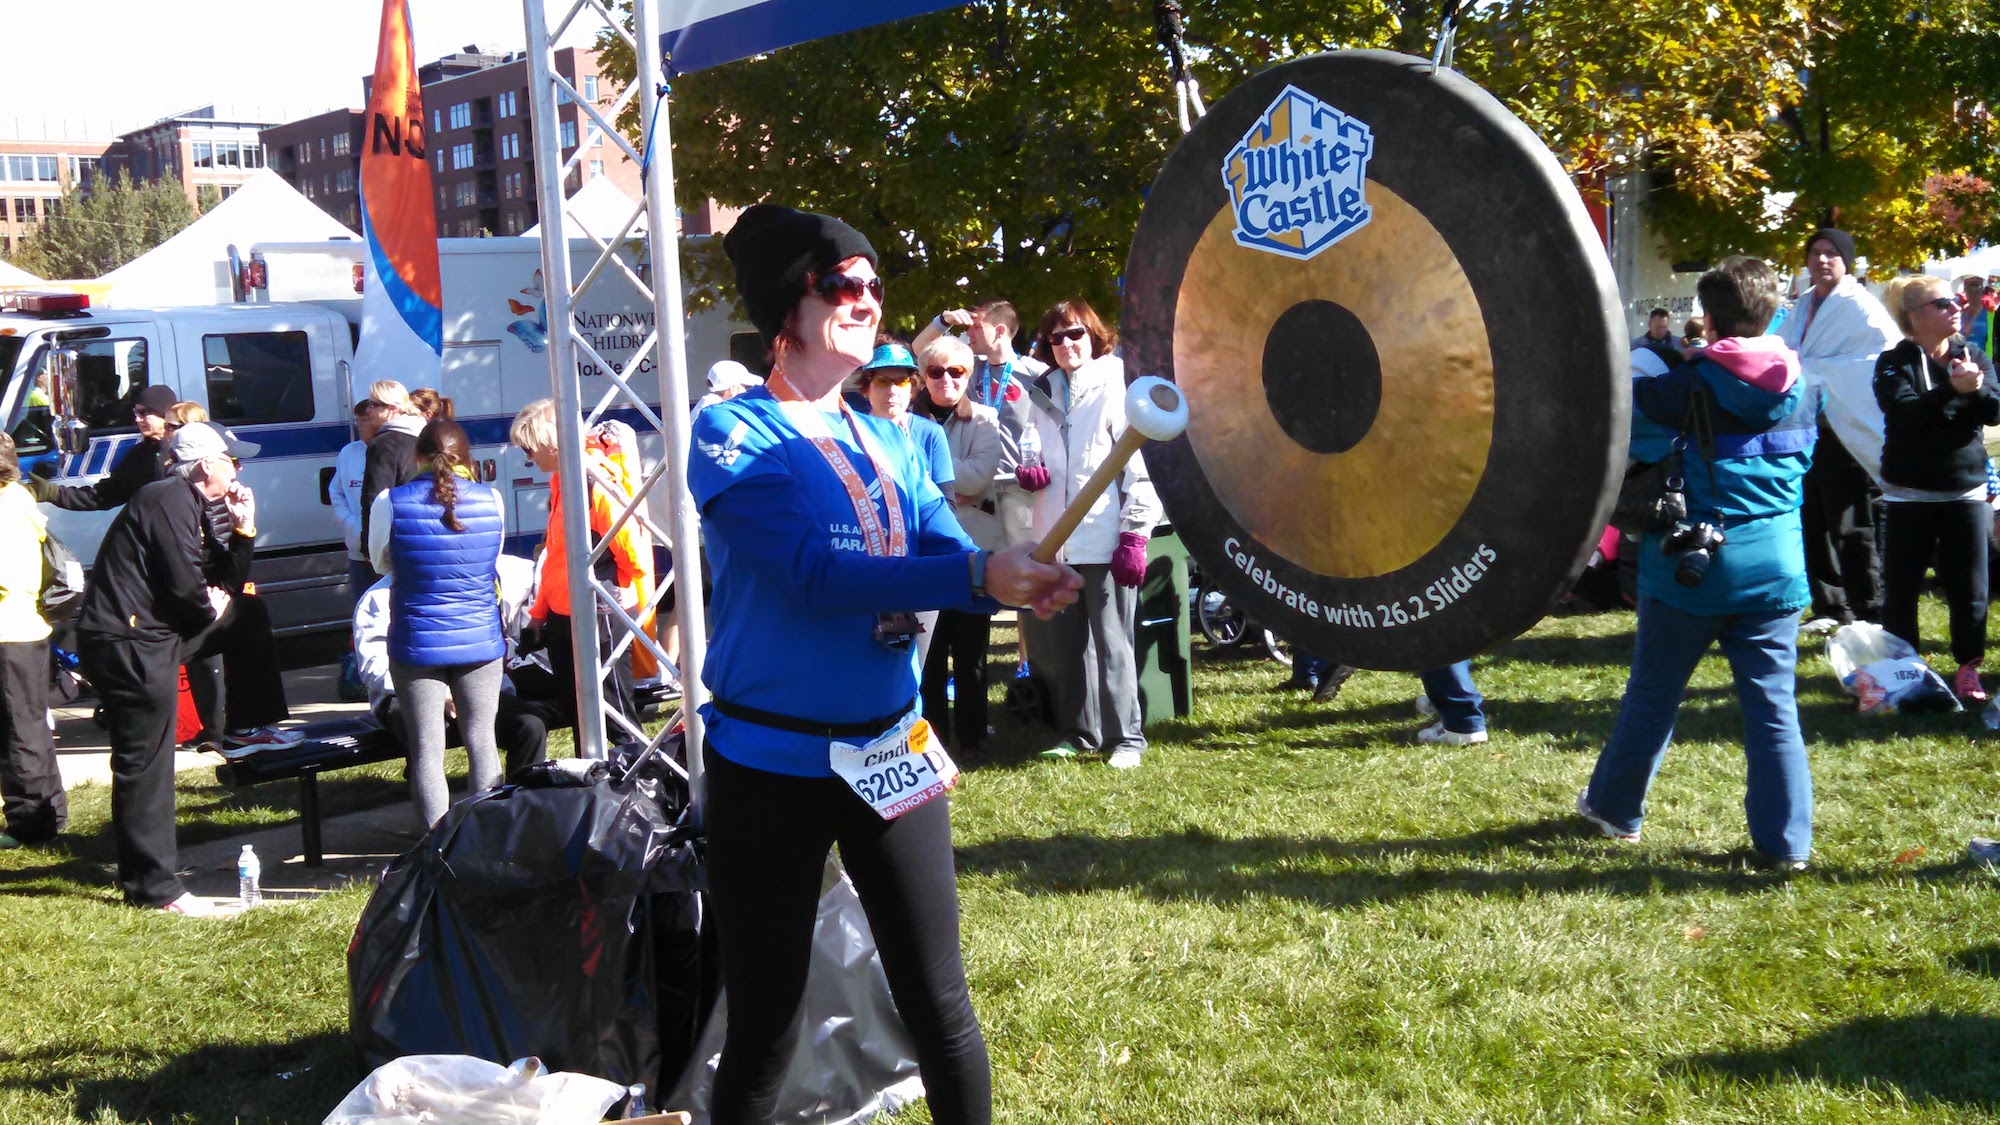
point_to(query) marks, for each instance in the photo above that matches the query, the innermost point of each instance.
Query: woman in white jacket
(1078, 411)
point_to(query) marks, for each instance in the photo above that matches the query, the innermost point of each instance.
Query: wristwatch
(979, 573)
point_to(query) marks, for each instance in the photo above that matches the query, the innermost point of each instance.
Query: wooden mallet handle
(1128, 443)
(1156, 411)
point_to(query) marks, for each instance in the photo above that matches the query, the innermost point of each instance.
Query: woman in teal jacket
(1732, 573)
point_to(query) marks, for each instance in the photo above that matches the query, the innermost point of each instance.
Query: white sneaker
(192, 905)
(1126, 759)
(1819, 627)
(1437, 732)
(1425, 708)
(1584, 810)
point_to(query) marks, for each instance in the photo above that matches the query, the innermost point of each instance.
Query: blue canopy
(699, 34)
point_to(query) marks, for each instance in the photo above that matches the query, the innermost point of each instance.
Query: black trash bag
(536, 919)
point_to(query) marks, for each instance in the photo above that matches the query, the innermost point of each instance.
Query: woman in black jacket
(1937, 394)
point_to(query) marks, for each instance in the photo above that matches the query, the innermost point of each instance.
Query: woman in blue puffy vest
(439, 536)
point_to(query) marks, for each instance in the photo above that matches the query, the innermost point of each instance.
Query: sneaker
(1966, 684)
(1331, 681)
(1061, 752)
(1983, 850)
(1297, 682)
(1425, 708)
(192, 906)
(1438, 732)
(1584, 810)
(1125, 759)
(204, 743)
(1819, 626)
(261, 738)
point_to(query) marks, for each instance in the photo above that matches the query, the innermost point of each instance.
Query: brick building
(198, 149)
(481, 144)
(33, 175)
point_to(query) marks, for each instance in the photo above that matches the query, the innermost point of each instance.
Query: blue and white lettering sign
(1296, 180)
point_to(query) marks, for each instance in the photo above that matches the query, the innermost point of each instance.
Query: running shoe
(1966, 684)
(261, 738)
(1584, 810)
(1439, 733)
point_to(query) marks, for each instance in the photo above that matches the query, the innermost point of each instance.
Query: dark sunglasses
(953, 372)
(1069, 335)
(1942, 304)
(845, 288)
(893, 375)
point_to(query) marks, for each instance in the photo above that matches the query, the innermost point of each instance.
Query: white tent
(15, 275)
(192, 267)
(599, 209)
(1984, 261)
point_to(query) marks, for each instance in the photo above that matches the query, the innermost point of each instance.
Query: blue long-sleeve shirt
(796, 593)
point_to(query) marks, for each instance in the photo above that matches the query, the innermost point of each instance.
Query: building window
(569, 134)
(343, 143)
(511, 223)
(461, 156)
(258, 377)
(24, 210)
(590, 87)
(596, 168)
(461, 115)
(441, 195)
(467, 193)
(326, 184)
(440, 160)
(343, 180)
(510, 146)
(467, 228)
(437, 121)
(204, 154)
(306, 153)
(507, 104)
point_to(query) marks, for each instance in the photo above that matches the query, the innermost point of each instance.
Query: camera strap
(1704, 431)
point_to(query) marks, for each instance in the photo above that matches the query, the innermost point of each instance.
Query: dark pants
(618, 694)
(1086, 655)
(1838, 518)
(233, 670)
(136, 683)
(520, 729)
(1956, 531)
(36, 806)
(768, 835)
(958, 653)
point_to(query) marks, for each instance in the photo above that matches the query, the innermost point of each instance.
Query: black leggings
(1953, 532)
(768, 836)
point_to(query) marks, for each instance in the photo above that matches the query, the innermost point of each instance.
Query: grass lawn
(1290, 914)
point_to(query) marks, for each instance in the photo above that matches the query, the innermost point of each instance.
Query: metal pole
(563, 385)
(663, 232)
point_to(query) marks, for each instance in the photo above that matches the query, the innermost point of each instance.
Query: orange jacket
(631, 549)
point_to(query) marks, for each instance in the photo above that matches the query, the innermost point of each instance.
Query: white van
(278, 370)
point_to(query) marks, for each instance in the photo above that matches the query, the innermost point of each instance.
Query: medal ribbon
(811, 424)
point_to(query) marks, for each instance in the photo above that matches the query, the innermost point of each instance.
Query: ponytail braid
(445, 448)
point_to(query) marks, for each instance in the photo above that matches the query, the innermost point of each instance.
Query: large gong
(1403, 356)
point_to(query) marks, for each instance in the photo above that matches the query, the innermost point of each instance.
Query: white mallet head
(1156, 408)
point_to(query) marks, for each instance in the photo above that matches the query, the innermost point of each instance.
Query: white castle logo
(1296, 179)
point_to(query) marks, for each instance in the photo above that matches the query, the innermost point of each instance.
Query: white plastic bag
(1884, 673)
(1854, 647)
(462, 1090)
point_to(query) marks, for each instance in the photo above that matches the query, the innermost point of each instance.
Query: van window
(109, 376)
(258, 377)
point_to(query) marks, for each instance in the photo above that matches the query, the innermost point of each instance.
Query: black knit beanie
(1842, 241)
(773, 249)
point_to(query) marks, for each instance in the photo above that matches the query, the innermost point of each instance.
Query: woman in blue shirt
(826, 534)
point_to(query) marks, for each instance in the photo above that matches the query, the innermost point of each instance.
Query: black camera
(1695, 544)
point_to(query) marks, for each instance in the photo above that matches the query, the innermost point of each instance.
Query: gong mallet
(1155, 410)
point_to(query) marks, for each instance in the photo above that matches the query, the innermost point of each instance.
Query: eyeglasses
(952, 372)
(1069, 335)
(1942, 304)
(893, 376)
(845, 288)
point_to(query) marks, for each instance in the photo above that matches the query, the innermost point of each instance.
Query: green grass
(1290, 914)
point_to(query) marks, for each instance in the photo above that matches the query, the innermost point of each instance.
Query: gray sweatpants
(423, 691)
(1085, 656)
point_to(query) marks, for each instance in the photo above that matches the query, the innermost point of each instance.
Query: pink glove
(1128, 562)
(1032, 478)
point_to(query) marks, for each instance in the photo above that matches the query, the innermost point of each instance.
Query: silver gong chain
(1167, 24)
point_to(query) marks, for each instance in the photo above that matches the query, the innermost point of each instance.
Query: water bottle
(248, 871)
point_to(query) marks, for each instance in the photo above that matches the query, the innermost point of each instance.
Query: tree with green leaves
(1005, 147)
(94, 231)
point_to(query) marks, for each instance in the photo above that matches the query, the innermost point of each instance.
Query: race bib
(898, 771)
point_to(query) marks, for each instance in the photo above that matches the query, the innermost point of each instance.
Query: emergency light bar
(44, 302)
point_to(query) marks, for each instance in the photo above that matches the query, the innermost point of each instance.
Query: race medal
(898, 771)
